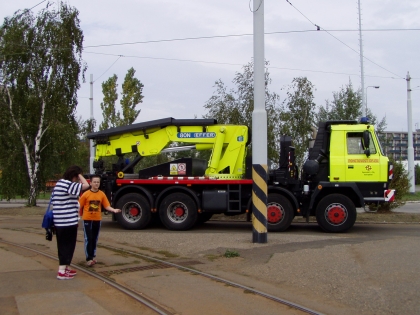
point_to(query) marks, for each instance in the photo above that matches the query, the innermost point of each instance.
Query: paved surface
(371, 270)
(28, 284)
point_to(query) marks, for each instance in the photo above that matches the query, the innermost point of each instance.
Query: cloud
(178, 85)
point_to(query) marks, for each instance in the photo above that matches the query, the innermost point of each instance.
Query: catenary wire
(241, 35)
(233, 64)
(319, 28)
(119, 56)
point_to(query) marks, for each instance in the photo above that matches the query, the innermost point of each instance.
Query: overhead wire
(240, 35)
(231, 64)
(25, 10)
(119, 56)
(320, 28)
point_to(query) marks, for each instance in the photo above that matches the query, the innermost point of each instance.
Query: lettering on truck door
(360, 167)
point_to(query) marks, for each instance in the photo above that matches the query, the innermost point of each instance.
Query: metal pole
(92, 148)
(410, 149)
(259, 131)
(362, 72)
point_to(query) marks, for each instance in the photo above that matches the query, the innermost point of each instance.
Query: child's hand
(117, 210)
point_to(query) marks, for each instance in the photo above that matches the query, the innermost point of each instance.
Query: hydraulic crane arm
(227, 142)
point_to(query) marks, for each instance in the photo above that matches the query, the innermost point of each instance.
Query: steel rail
(150, 304)
(216, 278)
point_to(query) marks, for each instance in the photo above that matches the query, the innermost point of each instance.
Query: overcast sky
(179, 76)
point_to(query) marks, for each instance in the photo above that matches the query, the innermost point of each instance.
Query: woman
(65, 211)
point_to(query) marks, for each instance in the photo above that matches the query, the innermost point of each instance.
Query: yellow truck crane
(346, 169)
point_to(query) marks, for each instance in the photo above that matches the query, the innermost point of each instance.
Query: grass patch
(411, 197)
(41, 196)
(231, 253)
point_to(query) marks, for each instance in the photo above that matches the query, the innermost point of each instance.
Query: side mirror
(366, 142)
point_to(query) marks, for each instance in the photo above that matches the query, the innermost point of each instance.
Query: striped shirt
(66, 203)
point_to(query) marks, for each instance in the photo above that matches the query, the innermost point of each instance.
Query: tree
(298, 116)
(237, 105)
(347, 104)
(132, 96)
(40, 66)
(132, 90)
(111, 117)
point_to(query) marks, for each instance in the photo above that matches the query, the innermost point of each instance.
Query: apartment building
(395, 144)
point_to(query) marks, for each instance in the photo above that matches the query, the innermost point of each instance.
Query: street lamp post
(373, 86)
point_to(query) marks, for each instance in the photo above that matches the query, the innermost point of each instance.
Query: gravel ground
(371, 270)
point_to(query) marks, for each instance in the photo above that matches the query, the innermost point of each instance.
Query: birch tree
(40, 66)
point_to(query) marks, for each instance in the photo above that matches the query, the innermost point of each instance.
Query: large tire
(178, 211)
(280, 213)
(336, 213)
(135, 212)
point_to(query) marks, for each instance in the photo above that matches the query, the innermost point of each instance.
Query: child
(90, 209)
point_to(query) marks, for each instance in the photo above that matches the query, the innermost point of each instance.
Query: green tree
(132, 90)
(236, 106)
(347, 104)
(111, 117)
(82, 154)
(298, 116)
(40, 66)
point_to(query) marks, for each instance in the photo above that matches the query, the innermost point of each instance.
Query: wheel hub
(274, 214)
(134, 211)
(336, 214)
(179, 212)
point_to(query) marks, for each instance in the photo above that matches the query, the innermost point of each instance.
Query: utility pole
(259, 132)
(362, 72)
(410, 149)
(92, 148)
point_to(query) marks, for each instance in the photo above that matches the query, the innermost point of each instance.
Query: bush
(417, 174)
(401, 185)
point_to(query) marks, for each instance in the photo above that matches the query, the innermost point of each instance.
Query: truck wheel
(280, 213)
(336, 213)
(178, 212)
(135, 212)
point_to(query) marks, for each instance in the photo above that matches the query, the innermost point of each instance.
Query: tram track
(135, 295)
(140, 297)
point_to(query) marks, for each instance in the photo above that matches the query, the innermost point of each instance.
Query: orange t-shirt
(91, 204)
